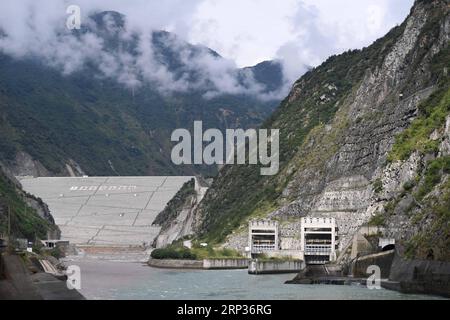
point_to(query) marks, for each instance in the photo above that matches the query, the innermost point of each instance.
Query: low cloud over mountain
(123, 46)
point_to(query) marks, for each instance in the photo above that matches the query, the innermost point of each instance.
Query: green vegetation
(429, 211)
(25, 221)
(56, 253)
(178, 252)
(377, 220)
(433, 175)
(432, 112)
(417, 136)
(377, 186)
(173, 252)
(409, 185)
(432, 241)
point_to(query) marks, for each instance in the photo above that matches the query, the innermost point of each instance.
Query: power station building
(317, 240)
(263, 236)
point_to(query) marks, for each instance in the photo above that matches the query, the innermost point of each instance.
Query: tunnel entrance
(388, 247)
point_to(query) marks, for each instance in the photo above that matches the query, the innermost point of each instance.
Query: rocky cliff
(344, 128)
(176, 218)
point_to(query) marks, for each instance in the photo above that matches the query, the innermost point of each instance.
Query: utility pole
(9, 222)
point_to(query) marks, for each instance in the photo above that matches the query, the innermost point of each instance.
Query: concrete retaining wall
(175, 264)
(218, 264)
(208, 264)
(421, 276)
(271, 267)
(382, 260)
(286, 254)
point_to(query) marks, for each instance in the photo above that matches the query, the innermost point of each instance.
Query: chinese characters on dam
(103, 188)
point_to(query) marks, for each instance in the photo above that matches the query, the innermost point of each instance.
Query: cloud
(321, 28)
(40, 31)
(297, 33)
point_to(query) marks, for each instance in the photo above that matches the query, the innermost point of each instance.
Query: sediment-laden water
(125, 280)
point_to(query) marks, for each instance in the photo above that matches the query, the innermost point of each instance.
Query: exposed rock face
(421, 223)
(444, 148)
(179, 227)
(177, 219)
(237, 241)
(384, 104)
(25, 165)
(334, 170)
(74, 169)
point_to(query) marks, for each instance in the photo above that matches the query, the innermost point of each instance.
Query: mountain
(113, 112)
(364, 139)
(24, 215)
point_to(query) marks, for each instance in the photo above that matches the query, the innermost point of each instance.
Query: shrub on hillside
(173, 253)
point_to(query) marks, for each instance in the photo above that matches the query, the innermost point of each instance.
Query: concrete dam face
(105, 211)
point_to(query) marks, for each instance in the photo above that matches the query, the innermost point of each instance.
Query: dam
(105, 211)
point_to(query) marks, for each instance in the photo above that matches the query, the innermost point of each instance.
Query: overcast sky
(299, 32)
(250, 31)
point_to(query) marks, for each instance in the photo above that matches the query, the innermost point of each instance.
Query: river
(106, 280)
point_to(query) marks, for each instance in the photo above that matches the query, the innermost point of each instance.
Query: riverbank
(21, 281)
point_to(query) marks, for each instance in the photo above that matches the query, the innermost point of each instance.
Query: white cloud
(250, 31)
(300, 33)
